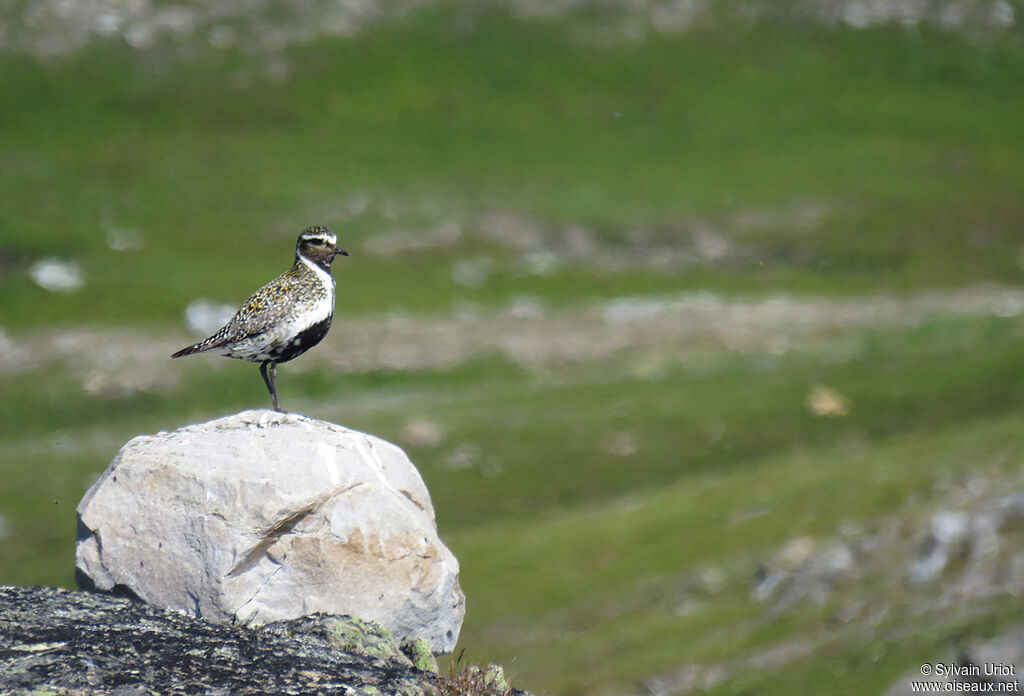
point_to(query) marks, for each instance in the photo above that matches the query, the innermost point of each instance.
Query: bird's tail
(214, 341)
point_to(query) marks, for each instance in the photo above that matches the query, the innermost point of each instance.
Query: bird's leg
(273, 387)
(271, 382)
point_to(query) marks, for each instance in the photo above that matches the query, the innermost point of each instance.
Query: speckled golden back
(293, 292)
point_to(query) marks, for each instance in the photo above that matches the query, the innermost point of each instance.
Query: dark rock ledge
(57, 642)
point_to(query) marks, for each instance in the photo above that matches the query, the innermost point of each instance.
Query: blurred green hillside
(663, 320)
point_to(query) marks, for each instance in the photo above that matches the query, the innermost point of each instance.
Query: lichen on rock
(87, 644)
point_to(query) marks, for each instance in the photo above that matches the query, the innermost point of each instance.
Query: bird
(287, 316)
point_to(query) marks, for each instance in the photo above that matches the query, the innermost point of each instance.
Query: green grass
(912, 144)
(576, 556)
(571, 569)
(573, 556)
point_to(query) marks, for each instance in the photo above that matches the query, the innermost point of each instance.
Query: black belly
(302, 342)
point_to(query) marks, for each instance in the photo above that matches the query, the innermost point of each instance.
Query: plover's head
(319, 245)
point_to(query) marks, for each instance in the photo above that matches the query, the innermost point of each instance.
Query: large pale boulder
(264, 516)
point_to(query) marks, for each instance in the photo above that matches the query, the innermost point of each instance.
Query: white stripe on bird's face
(319, 241)
(320, 237)
(318, 233)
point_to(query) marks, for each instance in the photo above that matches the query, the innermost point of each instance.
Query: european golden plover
(287, 316)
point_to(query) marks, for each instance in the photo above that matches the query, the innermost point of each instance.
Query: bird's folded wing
(267, 308)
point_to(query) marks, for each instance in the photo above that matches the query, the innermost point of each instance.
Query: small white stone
(120, 239)
(205, 316)
(57, 275)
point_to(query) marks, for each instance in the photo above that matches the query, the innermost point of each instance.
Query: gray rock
(264, 516)
(947, 538)
(56, 641)
(804, 569)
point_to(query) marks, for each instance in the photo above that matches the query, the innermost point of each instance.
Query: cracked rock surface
(82, 644)
(265, 516)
